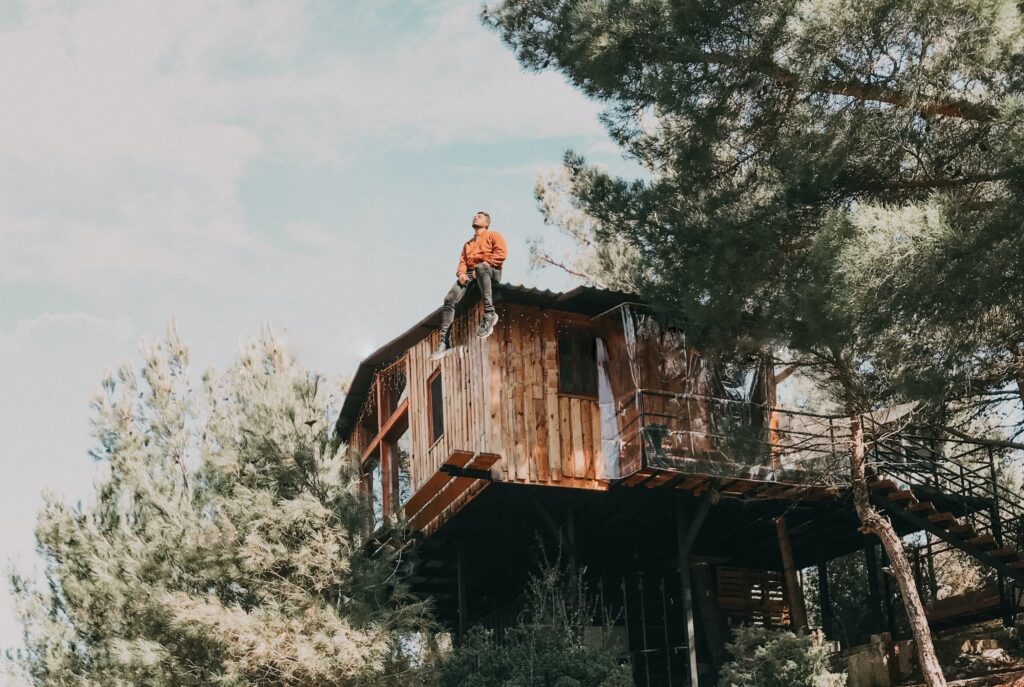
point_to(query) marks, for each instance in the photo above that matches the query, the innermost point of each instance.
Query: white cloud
(159, 109)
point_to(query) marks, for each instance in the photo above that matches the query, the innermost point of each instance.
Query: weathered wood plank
(519, 401)
(551, 396)
(587, 438)
(599, 466)
(565, 438)
(579, 458)
(496, 374)
(529, 424)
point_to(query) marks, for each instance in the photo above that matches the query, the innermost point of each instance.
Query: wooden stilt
(824, 598)
(686, 534)
(710, 613)
(794, 594)
(460, 565)
(874, 596)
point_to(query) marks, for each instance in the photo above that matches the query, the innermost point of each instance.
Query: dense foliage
(226, 544)
(546, 648)
(777, 658)
(840, 178)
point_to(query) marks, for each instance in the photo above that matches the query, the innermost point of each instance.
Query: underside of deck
(503, 530)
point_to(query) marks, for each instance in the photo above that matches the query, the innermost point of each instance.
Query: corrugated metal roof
(583, 299)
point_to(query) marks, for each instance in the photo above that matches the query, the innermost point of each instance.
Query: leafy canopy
(841, 178)
(226, 544)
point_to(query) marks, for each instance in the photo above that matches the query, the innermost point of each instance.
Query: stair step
(1016, 564)
(902, 495)
(985, 541)
(883, 485)
(965, 531)
(941, 518)
(923, 506)
(1005, 552)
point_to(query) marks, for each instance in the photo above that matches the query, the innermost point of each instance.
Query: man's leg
(486, 277)
(455, 295)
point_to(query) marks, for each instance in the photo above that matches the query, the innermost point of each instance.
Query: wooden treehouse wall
(501, 397)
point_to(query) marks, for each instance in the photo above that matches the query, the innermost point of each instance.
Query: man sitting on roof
(479, 263)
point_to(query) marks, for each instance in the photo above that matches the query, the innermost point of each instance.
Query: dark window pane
(436, 408)
(577, 363)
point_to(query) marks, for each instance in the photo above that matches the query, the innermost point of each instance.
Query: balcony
(667, 436)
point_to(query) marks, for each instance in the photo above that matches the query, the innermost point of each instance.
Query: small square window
(577, 362)
(435, 406)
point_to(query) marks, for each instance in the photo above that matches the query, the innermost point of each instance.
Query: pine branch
(853, 88)
(541, 256)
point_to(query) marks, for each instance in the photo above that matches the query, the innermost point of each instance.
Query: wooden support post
(570, 543)
(1006, 604)
(460, 573)
(933, 580)
(686, 535)
(794, 594)
(890, 613)
(824, 598)
(715, 628)
(874, 596)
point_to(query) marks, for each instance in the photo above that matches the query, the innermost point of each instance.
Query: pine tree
(227, 545)
(799, 151)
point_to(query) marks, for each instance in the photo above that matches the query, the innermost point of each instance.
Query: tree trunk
(873, 522)
(1020, 388)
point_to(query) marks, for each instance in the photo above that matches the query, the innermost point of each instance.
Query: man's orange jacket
(487, 246)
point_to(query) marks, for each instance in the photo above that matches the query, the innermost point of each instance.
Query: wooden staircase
(903, 502)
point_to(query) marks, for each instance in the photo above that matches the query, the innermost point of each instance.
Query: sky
(312, 165)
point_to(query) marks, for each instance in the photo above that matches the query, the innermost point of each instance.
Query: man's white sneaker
(487, 325)
(441, 351)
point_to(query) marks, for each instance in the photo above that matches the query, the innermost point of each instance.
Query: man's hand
(463, 278)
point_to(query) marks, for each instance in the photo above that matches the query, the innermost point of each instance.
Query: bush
(544, 649)
(777, 658)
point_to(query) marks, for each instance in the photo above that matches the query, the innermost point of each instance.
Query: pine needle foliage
(227, 543)
(777, 658)
(546, 648)
(836, 177)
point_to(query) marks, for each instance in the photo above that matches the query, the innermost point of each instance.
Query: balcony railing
(729, 438)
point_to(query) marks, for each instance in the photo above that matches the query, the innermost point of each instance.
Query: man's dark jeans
(485, 276)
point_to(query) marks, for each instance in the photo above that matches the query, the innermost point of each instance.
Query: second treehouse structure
(586, 425)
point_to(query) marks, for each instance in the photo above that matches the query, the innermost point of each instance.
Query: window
(577, 362)
(435, 406)
(373, 483)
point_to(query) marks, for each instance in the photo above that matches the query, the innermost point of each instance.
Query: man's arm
(499, 251)
(460, 271)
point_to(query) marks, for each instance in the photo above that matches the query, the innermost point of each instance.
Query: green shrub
(777, 658)
(544, 649)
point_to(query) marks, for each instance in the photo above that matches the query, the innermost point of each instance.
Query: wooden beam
(433, 485)
(450, 491)
(402, 412)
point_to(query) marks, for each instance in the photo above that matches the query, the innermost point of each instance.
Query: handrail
(956, 465)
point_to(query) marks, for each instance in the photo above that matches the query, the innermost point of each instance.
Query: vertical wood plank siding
(501, 397)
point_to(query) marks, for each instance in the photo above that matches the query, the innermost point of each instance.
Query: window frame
(435, 376)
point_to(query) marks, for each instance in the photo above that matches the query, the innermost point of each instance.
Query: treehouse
(589, 428)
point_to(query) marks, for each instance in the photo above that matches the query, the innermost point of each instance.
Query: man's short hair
(485, 214)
